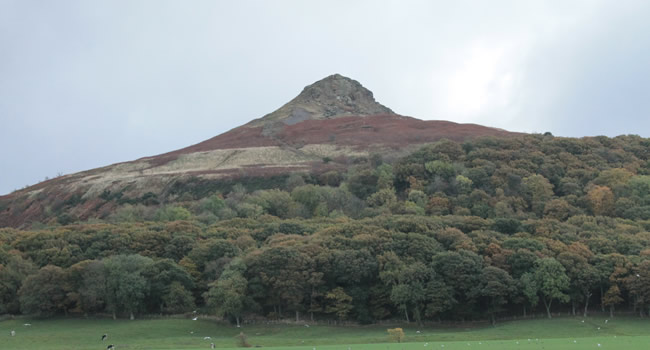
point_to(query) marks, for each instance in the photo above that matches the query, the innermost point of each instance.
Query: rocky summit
(333, 97)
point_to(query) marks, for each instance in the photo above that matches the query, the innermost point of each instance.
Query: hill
(489, 228)
(331, 124)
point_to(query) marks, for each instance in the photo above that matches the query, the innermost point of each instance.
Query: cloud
(86, 84)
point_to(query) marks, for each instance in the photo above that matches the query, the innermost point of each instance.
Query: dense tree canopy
(452, 231)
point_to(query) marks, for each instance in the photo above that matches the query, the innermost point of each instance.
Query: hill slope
(328, 125)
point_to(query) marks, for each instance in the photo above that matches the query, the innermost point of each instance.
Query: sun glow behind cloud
(482, 80)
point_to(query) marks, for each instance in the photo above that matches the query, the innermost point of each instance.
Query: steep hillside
(326, 127)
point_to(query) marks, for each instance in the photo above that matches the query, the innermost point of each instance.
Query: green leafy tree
(552, 282)
(461, 272)
(537, 190)
(126, 286)
(172, 213)
(12, 276)
(228, 294)
(311, 197)
(440, 298)
(496, 286)
(213, 204)
(92, 287)
(614, 178)
(463, 184)
(384, 174)
(44, 293)
(408, 282)
(529, 290)
(177, 299)
(363, 184)
(585, 281)
(383, 198)
(440, 168)
(418, 197)
(638, 283)
(161, 275)
(274, 202)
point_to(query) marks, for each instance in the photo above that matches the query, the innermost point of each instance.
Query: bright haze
(90, 83)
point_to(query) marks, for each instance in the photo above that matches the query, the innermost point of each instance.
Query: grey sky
(89, 83)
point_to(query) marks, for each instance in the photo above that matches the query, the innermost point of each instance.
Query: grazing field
(560, 333)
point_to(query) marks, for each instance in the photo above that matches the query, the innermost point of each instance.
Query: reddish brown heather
(362, 132)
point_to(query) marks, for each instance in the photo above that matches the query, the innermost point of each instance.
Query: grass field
(560, 333)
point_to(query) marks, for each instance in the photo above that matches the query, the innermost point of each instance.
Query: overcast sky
(85, 84)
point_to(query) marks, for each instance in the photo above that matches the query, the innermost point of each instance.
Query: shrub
(396, 334)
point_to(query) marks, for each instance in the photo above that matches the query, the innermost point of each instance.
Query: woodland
(480, 230)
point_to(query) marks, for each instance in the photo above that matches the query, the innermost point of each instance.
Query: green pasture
(559, 333)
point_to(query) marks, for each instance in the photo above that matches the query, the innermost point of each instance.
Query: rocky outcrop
(333, 97)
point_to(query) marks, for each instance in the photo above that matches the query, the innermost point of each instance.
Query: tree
(362, 184)
(284, 273)
(311, 197)
(213, 204)
(211, 250)
(585, 281)
(608, 268)
(639, 286)
(353, 269)
(408, 284)
(339, 303)
(440, 168)
(330, 178)
(384, 173)
(552, 281)
(452, 238)
(161, 276)
(495, 286)
(612, 298)
(274, 202)
(439, 205)
(583, 277)
(382, 198)
(44, 292)
(558, 209)
(88, 279)
(126, 286)
(440, 298)
(172, 213)
(229, 293)
(529, 290)
(177, 299)
(451, 149)
(461, 272)
(537, 190)
(418, 197)
(12, 276)
(601, 200)
(613, 178)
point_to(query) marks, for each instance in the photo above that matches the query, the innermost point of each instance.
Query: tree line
(410, 267)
